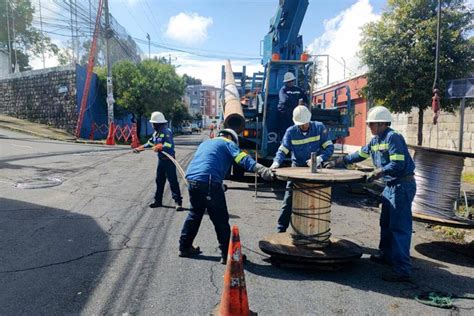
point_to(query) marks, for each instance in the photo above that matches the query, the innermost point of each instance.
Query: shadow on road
(366, 276)
(51, 259)
(449, 252)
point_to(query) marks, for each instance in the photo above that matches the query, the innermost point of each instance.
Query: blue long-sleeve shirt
(213, 159)
(288, 98)
(301, 146)
(389, 152)
(165, 137)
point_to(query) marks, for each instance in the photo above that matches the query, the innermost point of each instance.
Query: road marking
(22, 146)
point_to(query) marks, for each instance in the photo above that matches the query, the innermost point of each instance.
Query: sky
(234, 29)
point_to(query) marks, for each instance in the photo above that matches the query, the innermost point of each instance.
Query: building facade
(203, 100)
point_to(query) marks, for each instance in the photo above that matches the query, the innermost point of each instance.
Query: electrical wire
(438, 179)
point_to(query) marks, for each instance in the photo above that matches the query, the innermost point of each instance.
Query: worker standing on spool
(205, 176)
(301, 140)
(394, 164)
(289, 96)
(162, 140)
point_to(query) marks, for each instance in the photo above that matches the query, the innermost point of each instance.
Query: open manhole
(39, 183)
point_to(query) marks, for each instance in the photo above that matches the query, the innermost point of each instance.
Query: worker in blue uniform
(395, 166)
(162, 141)
(288, 98)
(205, 176)
(301, 140)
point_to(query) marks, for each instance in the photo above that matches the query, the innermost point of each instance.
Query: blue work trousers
(167, 170)
(396, 225)
(208, 197)
(286, 208)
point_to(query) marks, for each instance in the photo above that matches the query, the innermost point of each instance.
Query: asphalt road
(77, 237)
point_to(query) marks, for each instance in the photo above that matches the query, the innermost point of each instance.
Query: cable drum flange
(39, 183)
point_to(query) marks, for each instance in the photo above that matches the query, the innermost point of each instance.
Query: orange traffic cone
(234, 300)
(135, 143)
(111, 135)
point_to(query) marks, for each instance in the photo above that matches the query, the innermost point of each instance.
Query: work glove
(264, 172)
(374, 175)
(158, 148)
(275, 165)
(138, 149)
(319, 161)
(338, 163)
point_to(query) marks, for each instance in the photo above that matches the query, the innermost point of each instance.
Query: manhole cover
(39, 183)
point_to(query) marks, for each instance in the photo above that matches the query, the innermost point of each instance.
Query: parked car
(195, 128)
(186, 129)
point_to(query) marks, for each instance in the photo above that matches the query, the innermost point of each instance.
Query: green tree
(148, 86)
(400, 51)
(28, 40)
(191, 81)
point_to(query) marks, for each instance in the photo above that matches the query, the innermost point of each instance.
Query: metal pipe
(233, 113)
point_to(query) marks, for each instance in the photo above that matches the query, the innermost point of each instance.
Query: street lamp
(344, 62)
(148, 37)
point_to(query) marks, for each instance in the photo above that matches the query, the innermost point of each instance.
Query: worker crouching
(205, 176)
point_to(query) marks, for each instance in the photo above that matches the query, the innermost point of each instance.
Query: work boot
(394, 277)
(223, 260)
(380, 259)
(179, 207)
(155, 204)
(189, 252)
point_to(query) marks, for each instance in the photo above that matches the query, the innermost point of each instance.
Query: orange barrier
(234, 299)
(111, 135)
(135, 143)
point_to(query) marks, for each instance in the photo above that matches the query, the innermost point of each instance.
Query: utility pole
(110, 90)
(327, 65)
(344, 62)
(9, 40)
(17, 68)
(41, 28)
(72, 34)
(148, 37)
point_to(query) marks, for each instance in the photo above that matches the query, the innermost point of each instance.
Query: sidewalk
(40, 130)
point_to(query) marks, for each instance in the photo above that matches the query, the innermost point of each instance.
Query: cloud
(341, 39)
(209, 71)
(188, 28)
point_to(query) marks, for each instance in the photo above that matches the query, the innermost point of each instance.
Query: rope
(439, 299)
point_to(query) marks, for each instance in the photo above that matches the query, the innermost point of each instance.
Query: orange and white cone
(111, 135)
(234, 300)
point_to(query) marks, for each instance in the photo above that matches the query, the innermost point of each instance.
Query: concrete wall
(444, 135)
(45, 96)
(4, 63)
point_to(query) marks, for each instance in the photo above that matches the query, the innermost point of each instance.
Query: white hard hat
(231, 132)
(379, 114)
(289, 76)
(157, 117)
(301, 115)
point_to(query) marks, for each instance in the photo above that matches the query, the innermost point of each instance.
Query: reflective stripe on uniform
(306, 140)
(397, 157)
(150, 143)
(326, 144)
(166, 144)
(379, 147)
(284, 149)
(363, 154)
(239, 157)
(161, 135)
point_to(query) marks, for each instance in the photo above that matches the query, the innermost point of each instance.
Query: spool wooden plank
(310, 218)
(281, 245)
(304, 174)
(443, 221)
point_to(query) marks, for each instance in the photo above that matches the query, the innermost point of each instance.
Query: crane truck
(283, 51)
